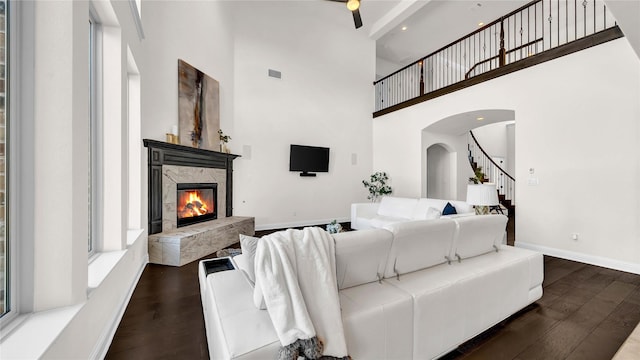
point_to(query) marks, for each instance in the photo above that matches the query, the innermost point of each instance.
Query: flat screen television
(309, 159)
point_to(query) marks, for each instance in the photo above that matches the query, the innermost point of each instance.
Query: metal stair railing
(505, 183)
(532, 29)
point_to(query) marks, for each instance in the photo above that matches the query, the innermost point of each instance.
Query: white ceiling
(430, 24)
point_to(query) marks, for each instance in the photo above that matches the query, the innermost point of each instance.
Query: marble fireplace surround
(172, 175)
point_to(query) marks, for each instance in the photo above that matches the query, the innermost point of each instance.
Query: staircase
(493, 173)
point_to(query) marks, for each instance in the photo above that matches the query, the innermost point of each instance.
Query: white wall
(493, 139)
(511, 149)
(578, 127)
(385, 67)
(324, 98)
(198, 32)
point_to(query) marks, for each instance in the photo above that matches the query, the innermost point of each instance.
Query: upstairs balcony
(539, 31)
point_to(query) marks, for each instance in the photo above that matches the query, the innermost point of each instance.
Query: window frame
(95, 180)
(11, 253)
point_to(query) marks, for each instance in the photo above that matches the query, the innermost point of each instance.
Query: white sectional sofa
(413, 290)
(391, 210)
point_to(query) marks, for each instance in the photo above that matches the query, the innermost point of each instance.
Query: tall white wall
(577, 127)
(511, 149)
(324, 98)
(385, 67)
(198, 32)
(492, 138)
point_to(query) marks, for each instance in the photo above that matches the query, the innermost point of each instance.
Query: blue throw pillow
(449, 209)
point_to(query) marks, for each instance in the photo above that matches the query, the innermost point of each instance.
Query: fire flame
(193, 205)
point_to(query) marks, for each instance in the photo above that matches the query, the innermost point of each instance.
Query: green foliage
(224, 138)
(377, 185)
(479, 176)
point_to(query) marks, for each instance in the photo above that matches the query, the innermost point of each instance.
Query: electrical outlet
(575, 236)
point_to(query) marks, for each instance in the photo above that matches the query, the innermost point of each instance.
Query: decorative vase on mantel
(223, 141)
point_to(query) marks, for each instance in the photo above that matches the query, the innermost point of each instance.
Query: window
(133, 147)
(94, 178)
(5, 304)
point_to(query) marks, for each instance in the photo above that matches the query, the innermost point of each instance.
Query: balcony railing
(530, 30)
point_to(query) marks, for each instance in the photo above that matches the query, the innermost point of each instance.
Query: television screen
(309, 159)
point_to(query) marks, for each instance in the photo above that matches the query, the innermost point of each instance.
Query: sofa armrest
(362, 213)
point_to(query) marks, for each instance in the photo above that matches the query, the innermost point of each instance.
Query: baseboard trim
(584, 258)
(104, 342)
(300, 224)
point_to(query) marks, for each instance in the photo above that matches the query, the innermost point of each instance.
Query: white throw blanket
(296, 277)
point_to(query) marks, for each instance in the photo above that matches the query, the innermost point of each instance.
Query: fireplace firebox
(196, 202)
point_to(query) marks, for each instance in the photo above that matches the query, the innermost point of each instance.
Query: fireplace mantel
(163, 153)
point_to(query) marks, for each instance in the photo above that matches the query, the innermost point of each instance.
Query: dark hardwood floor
(586, 313)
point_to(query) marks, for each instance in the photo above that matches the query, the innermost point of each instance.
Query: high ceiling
(429, 25)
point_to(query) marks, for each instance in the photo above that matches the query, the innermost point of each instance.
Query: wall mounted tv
(308, 159)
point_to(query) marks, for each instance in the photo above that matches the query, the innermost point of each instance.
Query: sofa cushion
(419, 244)
(427, 209)
(462, 207)
(449, 209)
(397, 207)
(453, 303)
(378, 321)
(380, 221)
(226, 319)
(248, 245)
(361, 256)
(477, 235)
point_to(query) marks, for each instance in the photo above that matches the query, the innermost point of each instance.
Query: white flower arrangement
(377, 186)
(334, 227)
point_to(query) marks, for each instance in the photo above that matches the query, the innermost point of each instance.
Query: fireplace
(196, 202)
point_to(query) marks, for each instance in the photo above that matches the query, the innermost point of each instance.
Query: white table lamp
(482, 196)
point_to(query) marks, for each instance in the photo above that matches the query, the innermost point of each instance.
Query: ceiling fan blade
(357, 20)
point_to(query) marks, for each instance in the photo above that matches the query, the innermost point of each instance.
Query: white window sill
(103, 263)
(35, 332)
(28, 336)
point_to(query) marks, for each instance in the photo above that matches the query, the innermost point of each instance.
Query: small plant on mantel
(377, 185)
(224, 139)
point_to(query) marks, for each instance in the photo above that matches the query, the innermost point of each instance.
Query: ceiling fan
(354, 7)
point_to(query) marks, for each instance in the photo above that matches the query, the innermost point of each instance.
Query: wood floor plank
(557, 343)
(511, 341)
(602, 342)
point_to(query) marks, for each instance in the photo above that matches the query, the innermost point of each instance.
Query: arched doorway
(451, 134)
(439, 172)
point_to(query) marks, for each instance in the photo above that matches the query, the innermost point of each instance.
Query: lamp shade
(482, 194)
